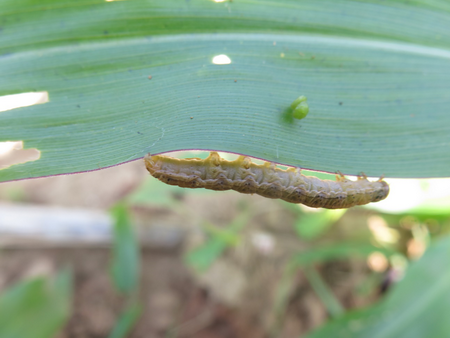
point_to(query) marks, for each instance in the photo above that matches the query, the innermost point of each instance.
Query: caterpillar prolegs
(267, 180)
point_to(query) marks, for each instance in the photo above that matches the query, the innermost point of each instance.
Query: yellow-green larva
(300, 107)
(266, 180)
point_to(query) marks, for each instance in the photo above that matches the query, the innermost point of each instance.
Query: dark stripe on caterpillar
(266, 180)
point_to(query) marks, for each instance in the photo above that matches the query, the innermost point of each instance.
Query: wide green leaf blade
(376, 75)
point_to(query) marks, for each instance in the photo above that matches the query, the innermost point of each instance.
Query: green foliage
(202, 257)
(35, 308)
(305, 261)
(378, 82)
(311, 225)
(322, 290)
(126, 321)
(125, 261)
(125, 270)
(336, 251)
(156, 193)
(432, 208)
(416, 307)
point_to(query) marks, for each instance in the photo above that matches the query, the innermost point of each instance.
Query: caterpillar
(267, 180)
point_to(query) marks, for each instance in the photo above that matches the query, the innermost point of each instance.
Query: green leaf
(311, 225)
(203, 256)
(125, 262)
(126, 321)
(36, 308)
(376, 74)
(336, 252)
(416, 307)
(323, 292)
(154, 192)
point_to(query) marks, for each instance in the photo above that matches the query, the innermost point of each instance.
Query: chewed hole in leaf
(8, 102)
(221, 60)
(12, 153)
